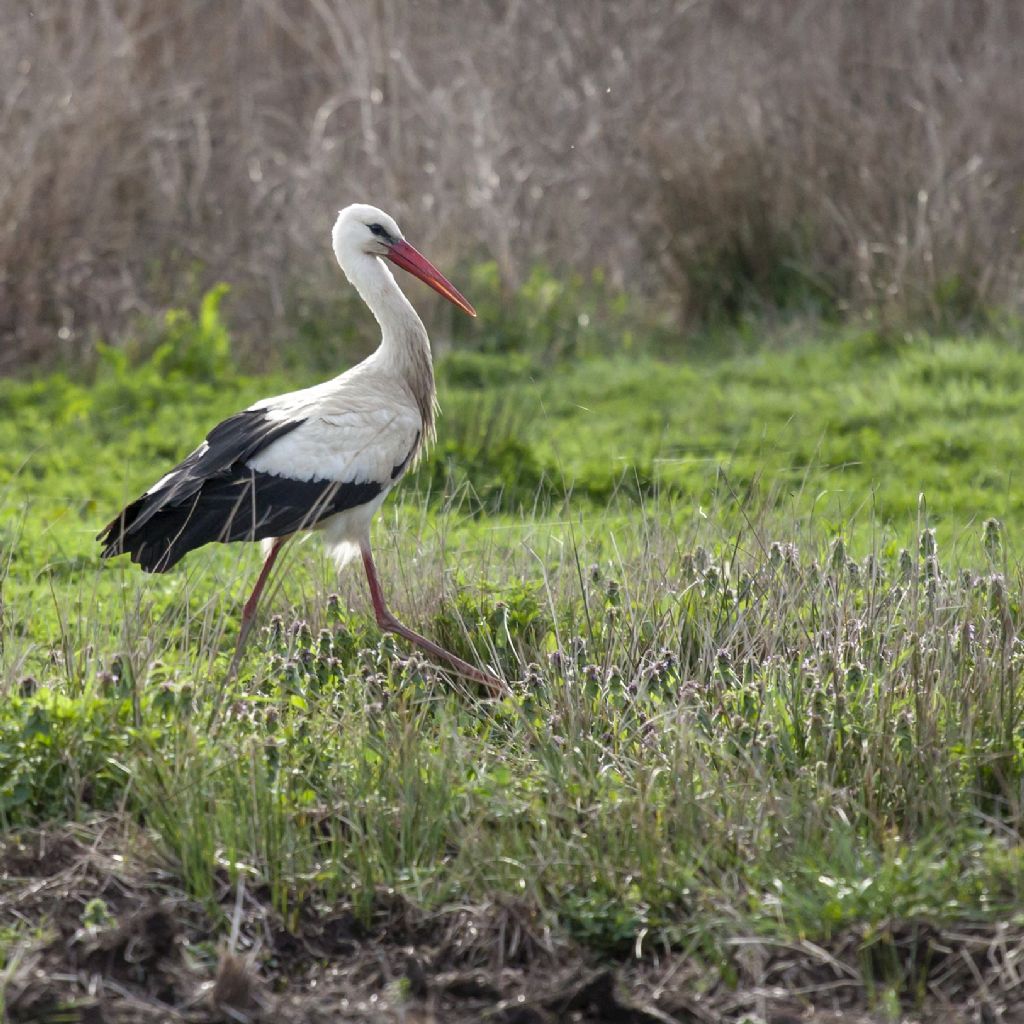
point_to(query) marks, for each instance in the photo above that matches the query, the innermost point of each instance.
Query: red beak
(403, 255)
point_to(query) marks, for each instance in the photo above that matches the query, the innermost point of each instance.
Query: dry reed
(716, 155)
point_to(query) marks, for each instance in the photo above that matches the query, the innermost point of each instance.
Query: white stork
(321, 458)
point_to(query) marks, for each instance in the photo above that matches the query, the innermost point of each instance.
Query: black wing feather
(214, 496)
(235, 440)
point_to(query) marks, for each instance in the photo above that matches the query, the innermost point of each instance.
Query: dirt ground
(104, 936)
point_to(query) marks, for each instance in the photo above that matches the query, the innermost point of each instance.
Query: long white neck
(404, 345)
(399, 322)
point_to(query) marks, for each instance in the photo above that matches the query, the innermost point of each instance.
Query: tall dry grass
(717, 155)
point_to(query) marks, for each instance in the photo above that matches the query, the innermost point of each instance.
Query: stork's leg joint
(387, 622)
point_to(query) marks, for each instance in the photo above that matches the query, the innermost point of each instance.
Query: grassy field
(759, 607)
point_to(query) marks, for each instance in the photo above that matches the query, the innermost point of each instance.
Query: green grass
(762, 684)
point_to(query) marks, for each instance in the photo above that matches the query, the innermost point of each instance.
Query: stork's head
(363, 230)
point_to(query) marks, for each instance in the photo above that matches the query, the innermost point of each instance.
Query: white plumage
(343, 435)
(322, 458)
(354, 431)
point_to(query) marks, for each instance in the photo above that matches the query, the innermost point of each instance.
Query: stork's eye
(379, 230)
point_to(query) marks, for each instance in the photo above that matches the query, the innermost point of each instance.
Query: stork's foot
(386, 621)
(494, 686)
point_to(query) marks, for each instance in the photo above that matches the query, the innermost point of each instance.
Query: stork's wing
(265, 472)
(231, 442)
(357, 444)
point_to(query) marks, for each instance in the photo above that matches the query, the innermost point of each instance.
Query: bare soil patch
(105, 936)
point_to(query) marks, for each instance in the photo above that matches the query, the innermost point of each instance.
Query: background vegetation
(715, 156)
(760, 614)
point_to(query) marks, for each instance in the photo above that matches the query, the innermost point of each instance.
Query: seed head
(993, 537)
(906, 565)
(927, 545)
(275, 629)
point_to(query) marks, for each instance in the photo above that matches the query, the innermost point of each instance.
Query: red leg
(387, 622)
(249, 611)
